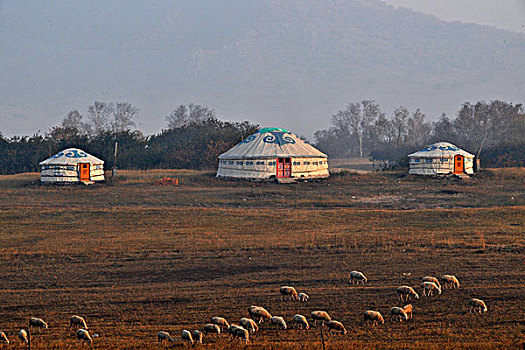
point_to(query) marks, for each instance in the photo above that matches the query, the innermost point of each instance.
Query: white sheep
(336, 326)
(248, 324)
(398, 313)
(83, 335)
(449, 281)
(322, 316)
(406, 293)
(373, 317)
(186, 335)
(408, 310)
(301, 321)
(431, 279)
(77, 321)
(429, 288)
(211, 328)
(197, 336)
(241, 333)
(356, 276)
(477, 305)
(22, 335)
(287, 291)
(303, 297)
(259, 314)
(162, 336)
(221, 322)
(3, 337)
(37, 322)
(278, 321)
(232, 328)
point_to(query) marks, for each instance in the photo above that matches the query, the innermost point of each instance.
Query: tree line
(194, 136)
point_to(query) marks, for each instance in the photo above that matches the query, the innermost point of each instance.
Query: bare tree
(123, 116)
(185, 115)
(418, 130)
(399, 123)
(73, 120)
(98, 116)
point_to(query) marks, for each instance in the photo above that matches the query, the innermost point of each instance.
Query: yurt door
(84, 171)
(458, 164)
(284, 167)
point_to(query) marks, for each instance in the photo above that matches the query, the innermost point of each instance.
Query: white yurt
(72, 165)
(441, 158)
(273, 153)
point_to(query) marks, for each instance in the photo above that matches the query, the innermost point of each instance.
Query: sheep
(431, 279)
(197, 336)
(405, 293)
(398, 314)
(429, 288)
(356, 276)
(320, 316)
(186, 335)
(303, 297)
(83, 335)
(301, 321)
(278, 321)
(162, 336)
(449, 281)
(408, 310)
(373, 317)
(477, 305)
(211, 328)
(3, 338)
(287, 291)
(336, 326)
(22, 335)
(249, 324)
(78, 321)
(220, 321)
(232, 329)
(259, 314)
(37, 322)
(241, 333)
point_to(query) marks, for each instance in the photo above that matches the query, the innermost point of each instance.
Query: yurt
(441, 158)
(72, 165)
(273, 153)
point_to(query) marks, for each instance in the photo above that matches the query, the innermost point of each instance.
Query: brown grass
(135, 259)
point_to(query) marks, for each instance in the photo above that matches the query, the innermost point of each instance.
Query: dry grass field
(134, 258)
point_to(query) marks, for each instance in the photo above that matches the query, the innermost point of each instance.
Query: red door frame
(83, 170)
(459, 164)
(284, 167)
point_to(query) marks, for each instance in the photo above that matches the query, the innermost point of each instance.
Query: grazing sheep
(221, 322)
(431, 279)
(37, 322)
(408, 310)
(232, 329)
(83, 335)
(241, 333)
(278, 321)
(162, 336)
(336, 326)
(3, 338)
(477, 305)
(405, 293)
(303, 297)
(186, 335)
(287, 291)
(22, 335)
(356, 276)
(429, 288)
(259, 314)
(320, 316)
(211, 328)
(373, 317)
(301, 321)
(249, 324)
(197, 336)
(398, 313)
(77, 321)
(449, 281)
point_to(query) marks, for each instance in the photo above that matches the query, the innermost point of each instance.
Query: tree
(443, 130)
(185, 115)
(361, 117)
(399, 123)
(418, 130)
(73, 120)
(98, 116)
(123, 116)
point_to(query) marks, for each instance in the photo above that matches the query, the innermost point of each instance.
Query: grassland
(134, 258)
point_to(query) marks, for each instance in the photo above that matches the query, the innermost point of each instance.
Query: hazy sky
(61, 55)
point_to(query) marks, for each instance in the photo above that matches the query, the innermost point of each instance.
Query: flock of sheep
(258, 314)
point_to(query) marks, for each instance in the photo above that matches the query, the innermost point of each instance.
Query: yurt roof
(272, 142)
(440, 150)
(72, 156)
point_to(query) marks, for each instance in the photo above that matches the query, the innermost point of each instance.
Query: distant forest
(194, 136)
